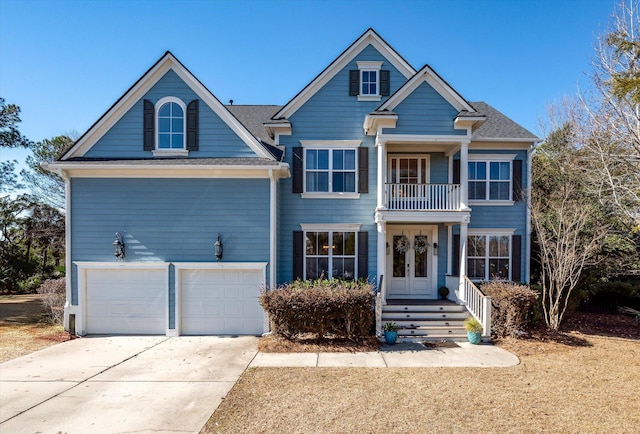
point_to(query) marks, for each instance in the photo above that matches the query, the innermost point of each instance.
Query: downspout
(272, 228)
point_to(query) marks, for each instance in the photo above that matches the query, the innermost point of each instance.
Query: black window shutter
(456, 171)
(298, 255)
(516, 258)
(516, 167)
(298, 171)
(354, 82)
(363, 170)
(384, 82)
(456, 255)
(192, 125)
(148, 128)
(363, 255)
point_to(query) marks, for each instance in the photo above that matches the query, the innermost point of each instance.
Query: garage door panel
(126, 301)
(221, 301)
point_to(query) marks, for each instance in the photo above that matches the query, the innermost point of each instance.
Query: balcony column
(463, 260)
(382, 174)
(464, 175)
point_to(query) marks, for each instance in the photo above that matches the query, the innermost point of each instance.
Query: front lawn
(578, 383)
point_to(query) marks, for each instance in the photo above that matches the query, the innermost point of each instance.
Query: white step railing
(478, 304)
(423, 197)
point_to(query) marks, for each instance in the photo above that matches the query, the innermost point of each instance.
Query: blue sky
(65, 62)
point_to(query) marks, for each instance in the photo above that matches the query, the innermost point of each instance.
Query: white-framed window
(330, 253)
(369, 80)
(170, 125)
(489, 255)
(490, 178)
(331, 168)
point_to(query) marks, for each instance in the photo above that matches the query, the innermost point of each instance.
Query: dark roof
(498, 126)
(253, 116)
(172, 161)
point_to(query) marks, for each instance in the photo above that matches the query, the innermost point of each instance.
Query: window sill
(170, 152)
(330, 195)
(369, 97)
(491, 202)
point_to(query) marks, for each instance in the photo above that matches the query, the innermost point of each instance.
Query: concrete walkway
(401, 355)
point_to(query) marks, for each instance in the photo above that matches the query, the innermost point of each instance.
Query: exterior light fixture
(118, 247)
(218, 247)
(435, 249)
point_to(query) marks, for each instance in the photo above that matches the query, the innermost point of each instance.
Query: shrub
(340, 308)
(53, 293)
(511, 307)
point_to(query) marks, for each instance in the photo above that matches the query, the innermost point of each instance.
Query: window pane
(165, 110)
(323, 181)
(312, 243)
(164, 141)
(349, 268)
(323, 267)
(177, 141)
(500, 170)
(338, 182)
(475, 268)
(338, 160)
(311, 158)
(350, 159)
(498, 268)
(398, 259)
(481, 171)
(349, 243)
(176, 110)
(164, 125)
(350, 182)
(477, 190)
(312, 268)
(323, 243)
(338, 243)
(312, 181)
(420, 259)
(472, 171)
(499, 190)
(177, 125)
(499, 246)
(323, 159)
(476, 245)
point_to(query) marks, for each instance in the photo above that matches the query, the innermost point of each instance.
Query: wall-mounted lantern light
(218, 247)
(118, 247)
(435, 249)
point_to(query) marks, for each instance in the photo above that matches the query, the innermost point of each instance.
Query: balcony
(422, 197)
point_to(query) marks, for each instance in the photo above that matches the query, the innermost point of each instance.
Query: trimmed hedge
(511, 307)
(336, 307)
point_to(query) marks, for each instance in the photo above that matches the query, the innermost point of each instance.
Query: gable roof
(499, 126)
(167, 62)
(370, 37)
(428, 75)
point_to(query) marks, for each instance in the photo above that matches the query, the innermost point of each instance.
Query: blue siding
(425, 111)
(169, 220)
(124, 139)
(331, 114)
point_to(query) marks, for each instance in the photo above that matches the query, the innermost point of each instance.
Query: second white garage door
(220, 301)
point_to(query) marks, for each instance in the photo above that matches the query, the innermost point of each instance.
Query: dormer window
(369, 82)
(171, 127)
(171, 124)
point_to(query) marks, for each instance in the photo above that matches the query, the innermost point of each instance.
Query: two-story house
(179, 208)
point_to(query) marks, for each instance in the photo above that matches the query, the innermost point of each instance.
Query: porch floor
(417, 302)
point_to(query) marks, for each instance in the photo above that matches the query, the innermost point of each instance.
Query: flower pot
(474, 337)
(390, 337)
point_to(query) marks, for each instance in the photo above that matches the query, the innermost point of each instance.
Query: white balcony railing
(423, 197)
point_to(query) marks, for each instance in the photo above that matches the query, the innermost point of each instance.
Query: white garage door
(221, 301)
(126, 301)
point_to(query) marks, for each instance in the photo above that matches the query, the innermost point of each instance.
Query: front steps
(427, 320)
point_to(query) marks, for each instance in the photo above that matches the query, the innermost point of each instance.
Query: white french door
(411, 265)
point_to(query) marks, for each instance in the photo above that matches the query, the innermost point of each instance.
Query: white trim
(422, 216)
(530, 141)
(170, 152)
(480, 202)
(138, 91)
(476, 145)
(486, 231)
(369, 97)
(492, 157)
(422, 138)
(83, 266)
(370, 37)
(117, 170)
(372, 65)
(69, 307)
(180, 266)
(273, 225)
(330, 195)
(330, 144)
(323, 227)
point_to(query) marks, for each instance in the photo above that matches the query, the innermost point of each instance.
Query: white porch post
(464, 175)
(381, 266)
(382, 169)
(463, 260)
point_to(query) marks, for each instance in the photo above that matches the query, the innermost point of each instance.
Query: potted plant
(474, 330)
(390, 333)
(443, 292)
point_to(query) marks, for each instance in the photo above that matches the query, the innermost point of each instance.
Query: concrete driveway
(121, 384)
